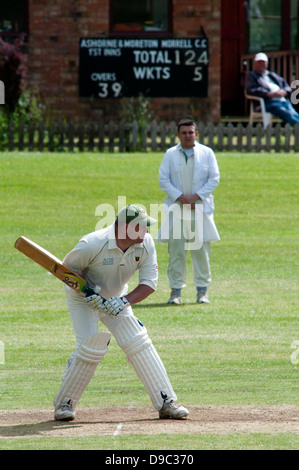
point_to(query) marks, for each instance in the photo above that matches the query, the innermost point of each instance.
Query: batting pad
(88, 356)
(132, 337)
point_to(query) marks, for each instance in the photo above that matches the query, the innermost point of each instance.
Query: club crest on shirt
(137, 258)
(108, 261)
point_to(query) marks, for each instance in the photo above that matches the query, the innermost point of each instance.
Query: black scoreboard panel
(115, 68)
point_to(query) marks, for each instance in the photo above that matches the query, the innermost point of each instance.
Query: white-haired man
(272, 88)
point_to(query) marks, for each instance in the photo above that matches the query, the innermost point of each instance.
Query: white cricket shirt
(187, 169)
(99, 260)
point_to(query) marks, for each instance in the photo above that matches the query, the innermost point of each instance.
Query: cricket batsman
(107, 259)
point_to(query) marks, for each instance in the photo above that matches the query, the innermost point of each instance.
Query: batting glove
(94, 301)
(114, 305)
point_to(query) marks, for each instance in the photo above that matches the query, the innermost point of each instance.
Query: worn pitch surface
(115, 421)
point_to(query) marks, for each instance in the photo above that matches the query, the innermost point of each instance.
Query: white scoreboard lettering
(114, 68)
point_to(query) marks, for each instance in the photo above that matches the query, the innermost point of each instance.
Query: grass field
(238, 353)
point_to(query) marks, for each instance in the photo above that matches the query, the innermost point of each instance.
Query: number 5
(197, 74)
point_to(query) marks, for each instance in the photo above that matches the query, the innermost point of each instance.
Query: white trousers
(177, 266)
(131, 336)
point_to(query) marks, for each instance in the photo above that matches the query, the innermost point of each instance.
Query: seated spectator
(273, 88)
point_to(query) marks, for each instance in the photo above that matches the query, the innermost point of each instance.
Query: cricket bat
(52, 264)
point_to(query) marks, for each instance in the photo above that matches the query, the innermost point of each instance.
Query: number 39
(104, 89)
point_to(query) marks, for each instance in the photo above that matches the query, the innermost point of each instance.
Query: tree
(12, 72)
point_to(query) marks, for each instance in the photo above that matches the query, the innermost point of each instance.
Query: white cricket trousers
(131, 336)
(177, 266)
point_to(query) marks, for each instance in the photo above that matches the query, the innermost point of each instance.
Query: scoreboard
(115, 68)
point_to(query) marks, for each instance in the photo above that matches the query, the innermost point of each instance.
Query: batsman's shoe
(202, 297)
(64, 412)
(174, 298)
(172, 410)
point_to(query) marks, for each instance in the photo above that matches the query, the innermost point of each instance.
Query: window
(295, 24)
(265, 25)
(13, 17)
(140, 16)
(271, 25)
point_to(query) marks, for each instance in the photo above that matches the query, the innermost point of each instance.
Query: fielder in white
(107, 259)
(189, 174)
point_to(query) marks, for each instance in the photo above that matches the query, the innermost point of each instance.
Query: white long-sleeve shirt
(206, 177)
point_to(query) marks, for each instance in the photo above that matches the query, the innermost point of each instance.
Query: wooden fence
(155, 137)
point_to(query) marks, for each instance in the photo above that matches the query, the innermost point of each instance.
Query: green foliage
(136, 109)
(28, 109)
(12, 72)
(21, 104)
